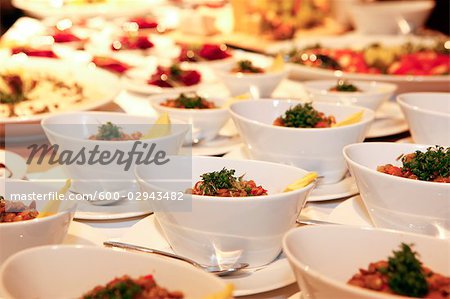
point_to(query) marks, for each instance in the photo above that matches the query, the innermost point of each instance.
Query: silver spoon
(217, 270)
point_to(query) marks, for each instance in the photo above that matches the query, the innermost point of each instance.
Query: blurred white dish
(322, 275)
(208, 122)
(391, 17)
(388, 121)
(428, 116)
(220, 145)
(277, 274)
(395, 202)
(351, 212)
(83, 234)
(109, 264)
(314, 149)
(16, 236)
(354, 41)
(343, 188)
(219, 230)
(71, 132)
(370, 94)
(15, 166)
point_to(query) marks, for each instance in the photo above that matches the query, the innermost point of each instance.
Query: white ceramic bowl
(395, 16)
(261, 84)
(428, 116)
(17, 236)
(71, 271)
(324, 258)
(71, 132)
(371, 96)
(221, 230)
(206, 122)
(317, 150)
(395, 202)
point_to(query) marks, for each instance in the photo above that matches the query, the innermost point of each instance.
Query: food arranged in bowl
(143, 287)
(312, 148)
(111, 64)
(174, 76)
(204, 53)
(45, 52)
(247, 67)
(403, 274)
(224, 183)
(207, 115)
(225, 218)
(416, 204)
(367, 94)
(112, 132)
(431, 165)
(16, 211)
(419, 268)
(131, 42)
(425, 110)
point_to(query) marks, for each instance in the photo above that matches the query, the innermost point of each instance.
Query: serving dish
(396, 202)
(424, 111)
(173, 275)
(322, 275)
(217, 229)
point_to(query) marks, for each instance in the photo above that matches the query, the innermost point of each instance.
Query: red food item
(48, 53)
(65, 36)
(139, 42)
(205, 52)
(144, 22)
(174, 76)
(248, 188)
(421, 63)
(111, 64)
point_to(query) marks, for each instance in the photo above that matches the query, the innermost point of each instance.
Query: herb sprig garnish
(301, 116)
(224, 179)
(427, 166)
(190, 102)
(345, 86)
(123, 289)
(405, 274)
(246, 66)
(108, 131)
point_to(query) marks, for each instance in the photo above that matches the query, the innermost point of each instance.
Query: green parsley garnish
(405, 273)
(124, 290)
(175, 70)
(224, 179)
(190, 102)
(108, 131)
(301, 116)
(247, 66)
(435, 162)
(345, 86)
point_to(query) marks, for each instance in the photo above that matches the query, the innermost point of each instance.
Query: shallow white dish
(388, 121)
(278, 274)
(370, 95)
(29, 265)
(83, 234)
(428, 116)
(343, 188)
(16, 166)
(321, 275)
(218, 146)
(351, 212)
(404, 83)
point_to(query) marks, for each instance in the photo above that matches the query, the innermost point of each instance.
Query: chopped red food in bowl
(132, 42)
(144, 22)
(205, 52)
(111, 64)
(112, 132)
(304, 116)
(14, 211)
(187, 101)
(48, 53)
(64, 36)
(174, 76)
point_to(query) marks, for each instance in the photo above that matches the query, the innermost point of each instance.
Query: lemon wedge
(52, 207)
(302, 182)
(277, 64)
(352, 119)
(227, 293)
(244, 96)
(161, 127)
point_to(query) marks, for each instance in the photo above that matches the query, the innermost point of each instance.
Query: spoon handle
(150, 250)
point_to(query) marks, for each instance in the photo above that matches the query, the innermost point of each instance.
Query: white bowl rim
(370, 112)
(336, 283)
(415, 3)
(45, 121)
(390, 86)
(444, 186)
(402, 101)
(266, 74)
(269, 197)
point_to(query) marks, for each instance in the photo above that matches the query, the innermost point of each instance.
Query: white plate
(16, 165)
(83, 234)
(218, 146)
(44, 8)
(404, 83)
(86, 211)
(351, 212)
(389, 121)
(273, 276)
(344, 188)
